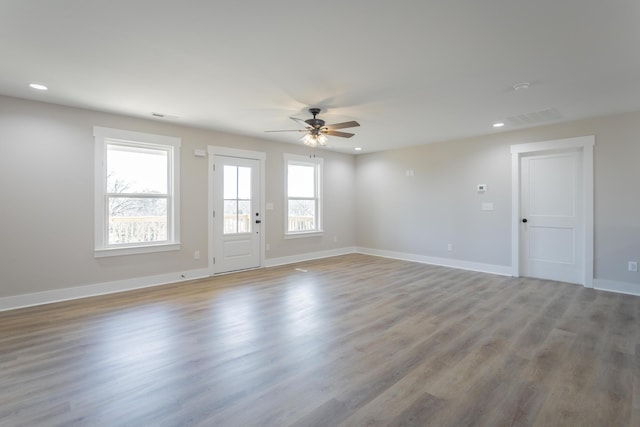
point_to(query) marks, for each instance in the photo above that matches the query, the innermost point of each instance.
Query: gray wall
(46, 188)
(439, 204)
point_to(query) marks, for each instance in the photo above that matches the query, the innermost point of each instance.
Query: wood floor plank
(352, 340)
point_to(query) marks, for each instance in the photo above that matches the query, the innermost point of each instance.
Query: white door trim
(585, 145)
(213, 151)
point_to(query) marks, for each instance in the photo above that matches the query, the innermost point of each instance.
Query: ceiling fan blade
(338, 133)
(343, 125)
(287, 130)
(301, 121)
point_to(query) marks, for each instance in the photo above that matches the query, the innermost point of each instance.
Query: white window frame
(318, 164)
(103, 137)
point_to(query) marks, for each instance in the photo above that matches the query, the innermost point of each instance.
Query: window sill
(304, 234)
(134, 250)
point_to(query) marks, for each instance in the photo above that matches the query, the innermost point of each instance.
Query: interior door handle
(524, 219)
(258, 221)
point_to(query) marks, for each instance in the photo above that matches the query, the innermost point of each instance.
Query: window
(237, 199)
(303, 177)
(136, 193)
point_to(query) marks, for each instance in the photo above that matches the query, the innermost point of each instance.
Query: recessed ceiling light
(521, 86)
(358, 148)
(38, 86)
(498, 125)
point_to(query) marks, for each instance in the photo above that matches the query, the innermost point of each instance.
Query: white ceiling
(411, 72)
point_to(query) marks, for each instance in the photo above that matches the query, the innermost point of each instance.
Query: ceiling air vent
(535, 118)
(164, 116)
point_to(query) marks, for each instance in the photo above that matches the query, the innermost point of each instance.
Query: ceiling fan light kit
(316, 130)
(313, 140)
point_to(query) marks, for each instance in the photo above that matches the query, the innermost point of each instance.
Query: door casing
(584, 145)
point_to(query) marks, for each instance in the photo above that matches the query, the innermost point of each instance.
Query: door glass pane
(230, 182)
(244, 183)
(230, 217)
(244, 216)
(237, 199)
(301, 182)
(302, 215)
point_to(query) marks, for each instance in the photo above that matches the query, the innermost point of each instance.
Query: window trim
(318, 164)
(104, 136)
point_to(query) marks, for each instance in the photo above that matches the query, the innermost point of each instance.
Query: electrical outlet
(633, 266)
(196, 255)
(449, 247)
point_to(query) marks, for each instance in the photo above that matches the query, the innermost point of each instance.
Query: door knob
(524, 219)
(258, 221)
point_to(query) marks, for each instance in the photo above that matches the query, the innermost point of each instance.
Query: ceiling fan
(316, 130)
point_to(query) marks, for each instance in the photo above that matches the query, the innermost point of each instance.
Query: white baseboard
(57, 295)
(273, 262)
(66, 294)
(503, 270)
(615, 286)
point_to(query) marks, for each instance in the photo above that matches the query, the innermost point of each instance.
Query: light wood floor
(351, 341)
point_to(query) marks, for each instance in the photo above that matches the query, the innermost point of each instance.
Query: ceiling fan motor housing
(315, 123)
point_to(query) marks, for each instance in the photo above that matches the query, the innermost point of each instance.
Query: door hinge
(214, 214)
(214, 167)
(214, 260)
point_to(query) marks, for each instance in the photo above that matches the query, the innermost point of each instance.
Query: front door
(236, 213)
(552, 217)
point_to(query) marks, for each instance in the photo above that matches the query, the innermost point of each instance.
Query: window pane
(230, 217)
(244, 183)
(137, 220)
(301, 181)
(136, 170)
(230, 182)
(244, 216)
(302, 214)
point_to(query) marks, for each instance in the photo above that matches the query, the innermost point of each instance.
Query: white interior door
(236, 213)
(552, 217)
